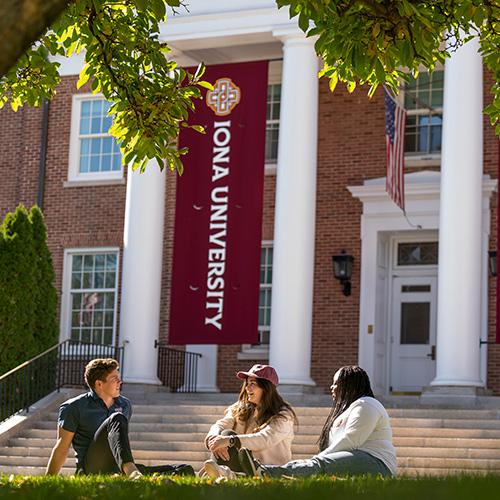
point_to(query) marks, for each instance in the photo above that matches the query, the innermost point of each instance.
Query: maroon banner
(218, 214)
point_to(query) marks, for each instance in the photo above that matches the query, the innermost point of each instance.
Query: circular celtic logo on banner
(224, 97)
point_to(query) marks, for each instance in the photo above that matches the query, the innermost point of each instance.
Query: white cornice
(418, 186)
(217, 24)
(236, 27)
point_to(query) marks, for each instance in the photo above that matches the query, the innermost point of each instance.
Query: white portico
(223, 32)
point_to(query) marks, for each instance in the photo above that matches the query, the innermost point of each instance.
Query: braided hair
(352, 383)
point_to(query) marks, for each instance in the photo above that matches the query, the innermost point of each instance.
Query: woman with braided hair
(356, 438)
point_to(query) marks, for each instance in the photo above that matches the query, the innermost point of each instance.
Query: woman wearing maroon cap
(260, 421)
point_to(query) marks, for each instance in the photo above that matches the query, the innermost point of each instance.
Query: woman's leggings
(234, 462)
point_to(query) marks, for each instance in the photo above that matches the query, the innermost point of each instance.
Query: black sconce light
(342, 270)
(492, 261)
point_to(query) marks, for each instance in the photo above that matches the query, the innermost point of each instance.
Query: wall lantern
(492, 254)
(342, 270)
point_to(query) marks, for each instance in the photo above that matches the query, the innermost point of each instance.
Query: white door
(413, 336)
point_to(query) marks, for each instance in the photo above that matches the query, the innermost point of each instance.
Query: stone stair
(170, 428)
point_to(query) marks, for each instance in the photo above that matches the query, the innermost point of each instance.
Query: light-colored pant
(340, 463)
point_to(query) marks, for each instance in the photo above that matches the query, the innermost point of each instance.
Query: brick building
(409, 321)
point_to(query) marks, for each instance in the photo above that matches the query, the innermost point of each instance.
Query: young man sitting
(96, 423)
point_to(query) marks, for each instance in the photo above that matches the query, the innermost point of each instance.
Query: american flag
(395, 120)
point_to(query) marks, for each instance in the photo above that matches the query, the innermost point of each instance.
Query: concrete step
(422, 472)
(448, 452)
(441, 432)
(464, 464)
(33, 471)
(443, 413)
(446, 423)
(16, 460)
(166, 418)
(446, 442)
(31, 451)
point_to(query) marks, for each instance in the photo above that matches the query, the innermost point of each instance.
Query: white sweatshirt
(364, 426)
(271, 443)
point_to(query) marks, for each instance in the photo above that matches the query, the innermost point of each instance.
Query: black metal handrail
(60, 366)
(177, 370)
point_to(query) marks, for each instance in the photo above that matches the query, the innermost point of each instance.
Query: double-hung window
(260, 350)
(94, 154)
(266, 274)
(273, 114)
(272, 122)
(423, 101)
(90, 295)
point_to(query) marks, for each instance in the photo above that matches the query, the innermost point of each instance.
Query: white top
(271, 443)
(364, 426)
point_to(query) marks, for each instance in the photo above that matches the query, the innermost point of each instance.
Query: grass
(370, 488)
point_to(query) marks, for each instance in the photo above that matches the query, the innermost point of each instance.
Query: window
(94, 154)
(273, 115)
(423, 100)
(421, 253)
(261, 349)
(272, 122)
(266, 274)
(91, 278)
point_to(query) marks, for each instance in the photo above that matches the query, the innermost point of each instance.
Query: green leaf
(158, 7)
(205, 85)
(198, 128)
(84, 77)
(379, 71)
(334, 79)
(351, 86)
(303, 22)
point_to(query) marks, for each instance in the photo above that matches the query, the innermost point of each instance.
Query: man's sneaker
(213, 469)
(249, 465)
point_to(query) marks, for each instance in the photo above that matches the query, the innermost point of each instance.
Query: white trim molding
(65, 319)
(75, 177)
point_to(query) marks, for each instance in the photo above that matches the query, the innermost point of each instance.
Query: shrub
(27, 295)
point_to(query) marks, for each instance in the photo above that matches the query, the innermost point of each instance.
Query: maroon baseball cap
(261, 371)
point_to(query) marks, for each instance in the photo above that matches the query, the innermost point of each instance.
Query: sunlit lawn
(115, 488)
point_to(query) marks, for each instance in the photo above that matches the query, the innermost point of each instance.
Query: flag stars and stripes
(395, 121)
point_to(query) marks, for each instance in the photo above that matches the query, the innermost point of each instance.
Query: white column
(460, 228)
(141, 277)
(294, 223)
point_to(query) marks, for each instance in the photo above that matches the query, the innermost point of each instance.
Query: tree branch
(22, 23)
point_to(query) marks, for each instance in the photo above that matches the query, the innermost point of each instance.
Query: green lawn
(116, 488)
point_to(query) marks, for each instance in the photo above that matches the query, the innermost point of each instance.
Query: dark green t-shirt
(84, 414)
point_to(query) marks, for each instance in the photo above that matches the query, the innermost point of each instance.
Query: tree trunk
(22, 22)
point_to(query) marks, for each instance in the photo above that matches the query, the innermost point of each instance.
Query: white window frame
(274, 78)
(424, 159)
(261, 351)
(65, 321)
(420, 237)
(74, 174)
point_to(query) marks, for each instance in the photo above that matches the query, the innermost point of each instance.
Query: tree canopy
(382, 42)
(126, 62)
(361, 42)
